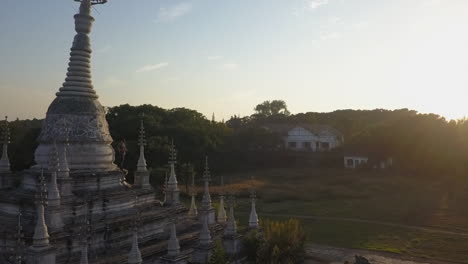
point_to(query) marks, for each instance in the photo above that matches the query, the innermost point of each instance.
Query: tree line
(424, 144)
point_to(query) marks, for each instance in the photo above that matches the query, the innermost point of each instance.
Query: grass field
(380, 196)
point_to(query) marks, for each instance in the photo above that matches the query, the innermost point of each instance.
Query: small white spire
(41, 233)
(193, 211)
(221, 211)
(53, 192)
(84, 253)
(141, 166)
(173, 247)
(142, 173)
(172, 161)
(135, 255)
(205, 235)
(172, 188)
(206, 200)
(5, 161)
(231, 223)
(253, 218)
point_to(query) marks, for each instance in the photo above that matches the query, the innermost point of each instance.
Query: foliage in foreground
(280, 242)
(219, 255)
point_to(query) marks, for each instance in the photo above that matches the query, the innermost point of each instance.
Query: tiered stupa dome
(76, 112)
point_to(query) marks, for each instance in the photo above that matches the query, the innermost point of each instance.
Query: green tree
(271, 108)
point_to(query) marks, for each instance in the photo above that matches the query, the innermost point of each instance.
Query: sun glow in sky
(227, 56)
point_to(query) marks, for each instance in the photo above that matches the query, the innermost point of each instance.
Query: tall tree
(274, 107)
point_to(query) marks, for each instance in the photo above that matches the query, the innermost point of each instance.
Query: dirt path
(318, 254)
(357, 220)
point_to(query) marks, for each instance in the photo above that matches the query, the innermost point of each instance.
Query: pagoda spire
(221, 211)
(173, 247)
(142, 174)
(205, 234)
(172, 187)
(193, 211)
(206, 208)
(5, 161)
(231, 223)
(78, 81)
(53, 192)
(206, 200)
(141, 166)
(253, 218)
(135, 255)
(41, 233)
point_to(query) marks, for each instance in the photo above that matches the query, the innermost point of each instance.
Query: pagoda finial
(135, 255)
(193, 211)
(142, 143)
(41, 233)
(253, 218)
(5, 161)
(142, 174)
(206, 201)
(53, 192)
(231, 223)
(173, 247)
(172, 184)
(78, 81)
(221, 211)
(205, 234)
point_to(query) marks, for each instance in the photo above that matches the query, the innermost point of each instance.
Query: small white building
(352, 162)
(304, 137)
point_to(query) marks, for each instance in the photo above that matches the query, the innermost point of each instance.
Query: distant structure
(306, 137)
(355, 161)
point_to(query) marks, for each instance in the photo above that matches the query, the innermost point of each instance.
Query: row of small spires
(51, 196)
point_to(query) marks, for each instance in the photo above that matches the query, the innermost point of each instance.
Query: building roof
(313, 128)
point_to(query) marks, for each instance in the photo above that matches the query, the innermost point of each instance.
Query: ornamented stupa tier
(76, 108)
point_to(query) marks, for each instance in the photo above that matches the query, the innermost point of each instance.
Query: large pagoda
(75, 203)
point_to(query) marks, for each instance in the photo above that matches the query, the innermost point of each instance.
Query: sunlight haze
(227, 56)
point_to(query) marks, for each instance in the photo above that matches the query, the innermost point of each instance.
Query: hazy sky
(225, 56)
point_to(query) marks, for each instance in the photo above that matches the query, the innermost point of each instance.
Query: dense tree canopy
(420, 143)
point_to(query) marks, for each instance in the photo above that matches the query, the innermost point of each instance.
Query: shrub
(218, 256)
(282, 242)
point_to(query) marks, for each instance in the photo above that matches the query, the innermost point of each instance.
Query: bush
(218, 256)
(281, 242)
